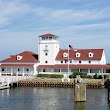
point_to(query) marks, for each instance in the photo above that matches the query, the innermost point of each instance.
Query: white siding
(52, 51)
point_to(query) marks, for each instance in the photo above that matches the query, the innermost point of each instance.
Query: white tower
(48, 49)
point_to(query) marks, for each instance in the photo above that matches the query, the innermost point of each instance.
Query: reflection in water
(79, 105)
(45, 98)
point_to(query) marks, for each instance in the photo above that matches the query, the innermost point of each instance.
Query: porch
(16, 71)
(63, 69)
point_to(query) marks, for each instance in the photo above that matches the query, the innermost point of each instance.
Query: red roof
(24, 65)
(48, 35)
(27, 56)
(97, 54)
(79, 66)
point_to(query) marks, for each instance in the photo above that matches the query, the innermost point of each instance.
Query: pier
(11, 81)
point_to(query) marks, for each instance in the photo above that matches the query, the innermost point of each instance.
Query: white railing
(6, 80)
(55, 73)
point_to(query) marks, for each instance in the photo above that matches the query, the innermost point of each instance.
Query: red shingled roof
(79, 66)
(27, 56)
(48, 35)
(24, 65)
(97, 54)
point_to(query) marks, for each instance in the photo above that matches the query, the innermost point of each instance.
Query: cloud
(72, 15)
(11, 10)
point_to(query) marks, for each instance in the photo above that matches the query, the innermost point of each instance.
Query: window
(89, 61)
(27, 69)
(70, 61)
(66, 61)
(3, 69)
(50, 38)
(43, 38)
(61, 61)
(46, 61)
(46, 46)
(18, 69)
(46, 38)
(43, 70)
(79, 61)
(46, 54)
(78, 54)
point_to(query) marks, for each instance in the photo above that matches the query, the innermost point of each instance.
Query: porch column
(23, 71)
(16, 71)
(51, 70)
(11, 71)
(0, 71)
(88, 70)
(60, 71)
(35, 67)
(99, 71)
(79, 70)
(6, 71)
(102, 70)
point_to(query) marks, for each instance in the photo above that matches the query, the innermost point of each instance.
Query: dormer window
(65, 54)
(91, 54)
(19, 57)
(78, 54)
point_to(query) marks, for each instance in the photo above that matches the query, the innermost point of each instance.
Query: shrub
(100, 77)
(95, 76)
(50, 75)
(82, 75)
(89, 76)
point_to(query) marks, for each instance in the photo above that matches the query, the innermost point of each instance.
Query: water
(44, 98)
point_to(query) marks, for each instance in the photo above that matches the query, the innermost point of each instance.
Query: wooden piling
(80, 92)
(108, 90)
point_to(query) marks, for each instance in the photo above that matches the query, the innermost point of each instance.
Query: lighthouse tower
(48, 49)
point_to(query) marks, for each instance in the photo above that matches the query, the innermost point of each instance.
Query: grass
(92, 80)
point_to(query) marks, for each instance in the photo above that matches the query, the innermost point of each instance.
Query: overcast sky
(81, 23)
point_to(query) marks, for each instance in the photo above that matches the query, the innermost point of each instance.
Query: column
(88, 71)
(6, 71)
(23, 71)
(16, 71)
(51, 70)
(60, 71)
(0, 71)
(11, 71)
(35, 69)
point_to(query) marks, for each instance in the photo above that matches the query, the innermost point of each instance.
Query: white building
(51, 59)
(24, 64)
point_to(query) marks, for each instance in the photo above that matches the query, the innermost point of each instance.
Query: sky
(81, 23)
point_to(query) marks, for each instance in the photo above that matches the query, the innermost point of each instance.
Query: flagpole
(68, 60)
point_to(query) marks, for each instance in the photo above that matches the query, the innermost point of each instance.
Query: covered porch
(17, 70)
(65, 69)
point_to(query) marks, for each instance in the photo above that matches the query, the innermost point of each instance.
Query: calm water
(36, 98)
